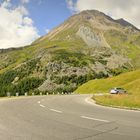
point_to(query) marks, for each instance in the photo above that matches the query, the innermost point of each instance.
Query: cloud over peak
(128, 10)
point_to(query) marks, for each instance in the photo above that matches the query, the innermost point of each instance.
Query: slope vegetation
(129, 81)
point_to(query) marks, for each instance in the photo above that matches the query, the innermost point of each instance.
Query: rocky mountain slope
(88, 45)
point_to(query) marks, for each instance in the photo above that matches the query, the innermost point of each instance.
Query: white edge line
(95, 119)
(42, 106)
(92, 102)
(38, 102)
(56, 110)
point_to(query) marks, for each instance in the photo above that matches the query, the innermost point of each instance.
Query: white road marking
(93, 102)
(42, 106)
(38, 102)
(56, 110)
(89, 102)
(95, 119)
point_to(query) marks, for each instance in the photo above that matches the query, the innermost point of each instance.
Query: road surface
(65, 117)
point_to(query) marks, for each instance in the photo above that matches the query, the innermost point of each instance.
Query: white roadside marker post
(26, 94)
(8, 94)
(17, 94)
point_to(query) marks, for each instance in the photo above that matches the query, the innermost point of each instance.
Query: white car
(117, 91)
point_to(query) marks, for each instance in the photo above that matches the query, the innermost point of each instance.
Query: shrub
(26, 85)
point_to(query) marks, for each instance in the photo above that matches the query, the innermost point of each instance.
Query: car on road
(118, 90)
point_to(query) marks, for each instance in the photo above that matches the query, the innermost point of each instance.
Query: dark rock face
(126, 23)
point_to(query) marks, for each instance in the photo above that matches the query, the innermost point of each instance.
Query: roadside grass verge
(120, 101)
(129, 81)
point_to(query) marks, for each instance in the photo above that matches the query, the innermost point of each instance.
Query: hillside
(87, 46)
(130, 81)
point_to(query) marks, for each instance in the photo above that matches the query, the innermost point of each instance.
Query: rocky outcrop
(59, 71)
(91, 37)
(49, 86)
(117, 61)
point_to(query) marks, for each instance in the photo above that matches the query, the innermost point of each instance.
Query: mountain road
(65, 117)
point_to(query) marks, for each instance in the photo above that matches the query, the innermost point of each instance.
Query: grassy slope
(117, 40)
(125, 44)
(17, 57)
(128, 80)
(123, 101)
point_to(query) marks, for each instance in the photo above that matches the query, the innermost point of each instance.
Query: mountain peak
(123, 22)
(93, 20)
(95, 14)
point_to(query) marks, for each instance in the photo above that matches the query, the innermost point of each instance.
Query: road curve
(65, 117)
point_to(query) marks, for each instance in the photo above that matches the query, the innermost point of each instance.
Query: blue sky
(48, 14)
(23, 21)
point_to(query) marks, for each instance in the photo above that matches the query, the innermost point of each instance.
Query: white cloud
(47, 31)
(6, 3)
(128, 10)
(16, 28)
(22, 10)
(24, 1)
(71, 5)
(27, 21)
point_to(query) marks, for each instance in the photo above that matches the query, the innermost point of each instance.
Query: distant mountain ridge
(126, 23)
(100, 19)
(87, 46)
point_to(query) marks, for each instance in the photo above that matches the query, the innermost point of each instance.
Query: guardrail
(9, 94)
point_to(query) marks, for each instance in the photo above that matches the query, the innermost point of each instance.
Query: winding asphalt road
(65, 117)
